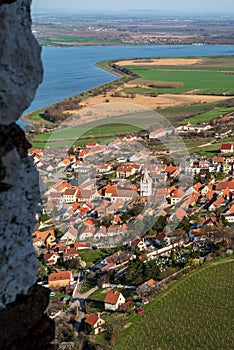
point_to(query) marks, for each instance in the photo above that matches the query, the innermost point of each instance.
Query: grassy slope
(194, 313)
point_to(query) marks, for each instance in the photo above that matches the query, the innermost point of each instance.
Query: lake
(69, 71)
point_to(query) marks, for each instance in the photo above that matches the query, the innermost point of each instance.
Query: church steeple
(146, 185)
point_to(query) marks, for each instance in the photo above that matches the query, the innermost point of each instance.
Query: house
(69, 236)
(123, 172)
(100, 233)
(113, 300)
(180, 213)
(70, 195)
(138, 243)
(227, 148)
(160, 237)
(61, 186)
(104, 168)
(150, 282)
(43, 238)
(91, 145)
(94, 323)
(70, 253)
(176, 195)
(171, 170)
(158, 133)
(60, 279)
(87, 232)
(51, 258)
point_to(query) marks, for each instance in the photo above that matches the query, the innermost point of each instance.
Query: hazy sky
(177, 5)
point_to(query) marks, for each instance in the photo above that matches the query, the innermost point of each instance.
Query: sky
(226, 6)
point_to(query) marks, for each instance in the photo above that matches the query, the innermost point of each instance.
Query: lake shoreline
(117, 75)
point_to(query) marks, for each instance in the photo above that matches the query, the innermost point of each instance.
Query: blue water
(69, 71)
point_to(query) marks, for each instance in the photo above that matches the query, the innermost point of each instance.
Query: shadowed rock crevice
(24, 324)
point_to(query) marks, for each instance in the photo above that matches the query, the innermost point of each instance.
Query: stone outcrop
(23, 322)
(20, 74)
(20, 65)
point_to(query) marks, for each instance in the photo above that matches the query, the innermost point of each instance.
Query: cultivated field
(181, 89)
(195, 312)
(203, 76)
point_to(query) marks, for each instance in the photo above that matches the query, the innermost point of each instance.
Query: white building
(146, 185)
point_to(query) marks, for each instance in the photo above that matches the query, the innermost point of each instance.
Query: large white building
(146, 185)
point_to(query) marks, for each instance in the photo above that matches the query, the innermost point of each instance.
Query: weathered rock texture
(20, 65)
(23, 322)
(20, 74)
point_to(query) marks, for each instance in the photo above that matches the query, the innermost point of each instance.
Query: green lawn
(89, 256)
(195, 312)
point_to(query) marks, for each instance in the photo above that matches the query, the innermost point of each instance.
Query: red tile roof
(150, 282)
(227, 146)
(180, 213)
(112, 297)
(92, 319)
(58, 276)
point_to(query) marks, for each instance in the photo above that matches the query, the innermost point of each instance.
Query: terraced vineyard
(196, 312)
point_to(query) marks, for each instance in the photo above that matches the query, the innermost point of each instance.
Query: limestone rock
(18, 207)
(20, 64)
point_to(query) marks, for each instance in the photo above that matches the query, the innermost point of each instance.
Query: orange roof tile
(92, 319)
(180, 213)
(150, 282)
(58, 276)
(112, 297)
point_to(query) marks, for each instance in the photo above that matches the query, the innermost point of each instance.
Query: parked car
(140, 310)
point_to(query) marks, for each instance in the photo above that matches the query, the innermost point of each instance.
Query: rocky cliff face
(20, 74)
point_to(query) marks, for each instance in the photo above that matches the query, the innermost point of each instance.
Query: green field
(208, 116)
(195, 312)
(57, 40)
(79, 136)
(205, 79)
(89, 256)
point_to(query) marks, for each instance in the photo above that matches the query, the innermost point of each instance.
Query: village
(115, 222)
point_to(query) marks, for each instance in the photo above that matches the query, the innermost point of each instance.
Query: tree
(42, 272)
(160, 224)
(185, 224)
(73, 264)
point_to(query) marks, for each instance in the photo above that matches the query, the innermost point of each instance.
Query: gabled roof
(92, 319)
(178, 193)
(180, 213)
(58, 276)
(43, 235)
(170, 169)
(231, 210)
(112, 297)
(160, 236)
(72, 231)
(227, 146)
(70, 192)
(135, 242)
(198, 186)
(150, 282)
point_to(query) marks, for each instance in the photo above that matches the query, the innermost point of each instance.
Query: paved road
(80, 303)
(85, 295)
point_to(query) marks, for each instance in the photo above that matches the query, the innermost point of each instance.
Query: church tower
(146, 185)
